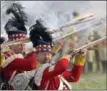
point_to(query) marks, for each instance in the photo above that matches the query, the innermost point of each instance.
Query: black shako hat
(40, 37)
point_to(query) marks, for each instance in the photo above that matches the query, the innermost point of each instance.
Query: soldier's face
(44, 57)
(18, 48)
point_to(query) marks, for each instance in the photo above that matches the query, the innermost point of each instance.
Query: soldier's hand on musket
(80, 57)
(81, 52)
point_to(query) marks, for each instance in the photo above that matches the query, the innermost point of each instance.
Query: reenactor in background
(102, 49)
(97, 51)
(91, 53)
(103, 55)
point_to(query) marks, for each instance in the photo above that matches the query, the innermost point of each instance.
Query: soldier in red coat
(2, 39)
(15, 62)
(50, 75)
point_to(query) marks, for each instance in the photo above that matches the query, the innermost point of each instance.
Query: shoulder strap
(47, 85)
(32, 84)
(12, 76)
(65, 81)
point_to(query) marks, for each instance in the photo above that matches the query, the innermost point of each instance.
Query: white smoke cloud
(54, 13)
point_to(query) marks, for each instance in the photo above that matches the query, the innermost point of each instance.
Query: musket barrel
(72, 53)
(74, 22)
(92, 43)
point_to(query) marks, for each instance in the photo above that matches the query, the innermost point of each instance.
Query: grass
(91, 81)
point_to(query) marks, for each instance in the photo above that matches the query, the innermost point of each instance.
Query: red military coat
(19, 64)
(56, 77)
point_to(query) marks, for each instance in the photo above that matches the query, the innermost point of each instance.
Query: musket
(79, 20)
(74, 22)
(92, 43)
(96, 24)
(74, 51)
(88, 45)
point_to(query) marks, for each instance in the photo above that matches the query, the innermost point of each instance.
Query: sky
(47, 11)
